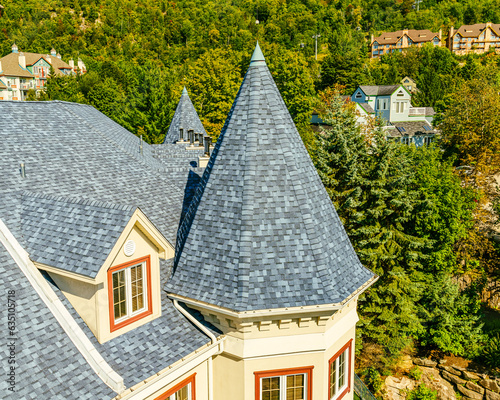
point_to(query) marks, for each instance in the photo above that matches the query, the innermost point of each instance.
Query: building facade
(390, 42)
(20, 72)
(139, 275)
(475, 39)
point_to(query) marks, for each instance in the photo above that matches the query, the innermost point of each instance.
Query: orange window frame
(148, 311)
(280, 372)
(348, 345)
(190, 380)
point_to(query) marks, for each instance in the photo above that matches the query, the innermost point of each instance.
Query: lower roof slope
(46, 360)
(261, 231)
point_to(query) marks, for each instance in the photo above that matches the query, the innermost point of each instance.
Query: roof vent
(129, 248)
(207, 141)
(181, 134)
(22, 169)
(15, 49)
(191, 137)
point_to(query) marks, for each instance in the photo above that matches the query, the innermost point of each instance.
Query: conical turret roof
(185, 117)
(262, 232)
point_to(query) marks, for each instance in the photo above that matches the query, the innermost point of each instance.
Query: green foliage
(422, 392)
(372, 379)
(415, 373)
(491, 352)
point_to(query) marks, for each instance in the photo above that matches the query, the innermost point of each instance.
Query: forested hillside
(413, 217)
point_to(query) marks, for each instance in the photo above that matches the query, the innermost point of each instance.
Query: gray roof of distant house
(153, 346)
(384, 90)
(411, 128)
(73, 235)
(185, 118)
(48, 365)
(261, 231)
(368, 108)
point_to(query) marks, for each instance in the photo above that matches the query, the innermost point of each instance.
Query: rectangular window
(129, 292)
(185, 390)
(400, 107)
(340, 373)
(286, 384)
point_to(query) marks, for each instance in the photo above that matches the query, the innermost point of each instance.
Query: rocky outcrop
(447, 380)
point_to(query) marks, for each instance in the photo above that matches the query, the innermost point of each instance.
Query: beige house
(20, 72)
(477, 39)
(390, 42)
(135, 274)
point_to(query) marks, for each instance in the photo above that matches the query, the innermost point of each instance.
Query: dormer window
(129, 292)
(358, 95)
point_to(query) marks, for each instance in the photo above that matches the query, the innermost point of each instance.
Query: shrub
(415, 373)
(422, 392)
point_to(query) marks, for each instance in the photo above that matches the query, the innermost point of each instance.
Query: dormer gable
(103, 257)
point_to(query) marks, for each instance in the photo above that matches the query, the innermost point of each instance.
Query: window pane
(271, 388)
(295, 387)
(137, 288)
(333, 378)
(182, 394)
(342, 371)
(119, 300)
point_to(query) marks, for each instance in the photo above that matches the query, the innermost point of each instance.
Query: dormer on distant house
(108, 271)
(409, 84)
(24, 71)
(476, 39)
(390, 42)
(401, 120)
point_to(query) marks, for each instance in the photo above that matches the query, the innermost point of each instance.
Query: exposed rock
(396, 389)
(424, 362)
(405, 363)
(492, 396)
(472, 386)
(451, 370)
(471, 376)
(490, 384)
(453, 378)
(434, 381)
(442, 361)
(469, 393)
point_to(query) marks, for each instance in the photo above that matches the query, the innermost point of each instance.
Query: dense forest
(419, 218)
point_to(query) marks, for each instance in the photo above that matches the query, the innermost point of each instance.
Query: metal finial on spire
(257, 57)
(184, 91)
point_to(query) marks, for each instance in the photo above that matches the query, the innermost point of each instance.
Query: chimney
(450, 38)
(58, 56)
(81, 66)
(140, 146)
(71, 64)
(15, 49)
(22, 60)
(203, 160)
(373, 38)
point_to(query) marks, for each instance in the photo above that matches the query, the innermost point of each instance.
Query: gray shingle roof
(48, 365)
(411, 128)
(261, 231)
(74, 151)
(368, 108)
(185, 117)
(147, 349)
(386, 90)
(74, 235)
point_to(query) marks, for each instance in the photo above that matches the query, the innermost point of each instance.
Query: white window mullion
(128, 291)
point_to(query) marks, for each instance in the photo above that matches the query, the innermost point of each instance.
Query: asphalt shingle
(261, 231)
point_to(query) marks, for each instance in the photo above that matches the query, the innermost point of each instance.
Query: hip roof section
(261, 231)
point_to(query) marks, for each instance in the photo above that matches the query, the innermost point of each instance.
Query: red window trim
(179, 386)
(349, 364)
(149, 311)
(281, 372)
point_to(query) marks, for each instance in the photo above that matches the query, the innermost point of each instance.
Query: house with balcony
(390, 42)
(21, 72)
(392, 104)
(475, 39)
(135, 274)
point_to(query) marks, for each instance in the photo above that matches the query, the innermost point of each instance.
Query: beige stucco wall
(295, 346)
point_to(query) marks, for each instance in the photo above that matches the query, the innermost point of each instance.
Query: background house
(389, 42)
(477, 38)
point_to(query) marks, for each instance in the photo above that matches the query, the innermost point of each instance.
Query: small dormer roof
(262, 232)
(185, 117)
(71, 234)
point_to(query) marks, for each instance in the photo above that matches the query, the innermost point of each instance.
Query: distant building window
(436, 41)
(427, 140)
(382, 104)
(405, 140)
(129, 287)
(400, 107)
(286, 384)
(339, 367)
(375, 45)
(185, 390)
(358, 95)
